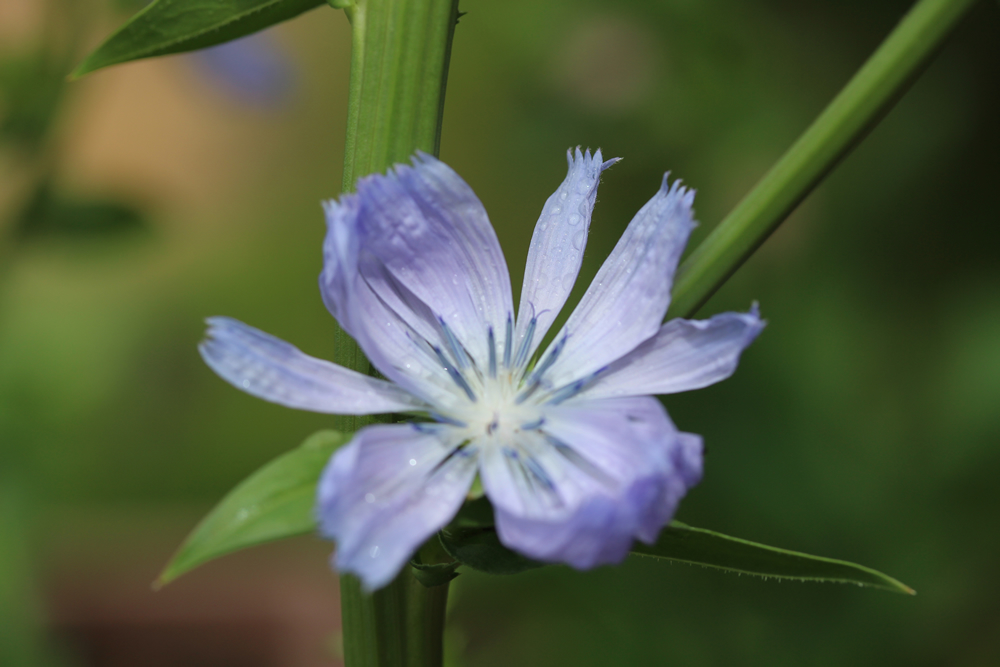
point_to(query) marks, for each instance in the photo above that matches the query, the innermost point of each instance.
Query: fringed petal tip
(576, 158)
(681, 195)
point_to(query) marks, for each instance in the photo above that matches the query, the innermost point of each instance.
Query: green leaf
(480, 549)
(174, 26)
(273, 503)
(698, 546)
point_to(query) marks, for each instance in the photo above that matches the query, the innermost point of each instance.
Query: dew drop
(413, 462)
(578, 239)
(567, 281)
(246, 384)
(369, 498)
(374, 552)
(563, 194)
(575, 219)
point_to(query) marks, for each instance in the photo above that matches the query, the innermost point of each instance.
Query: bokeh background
(863, 424)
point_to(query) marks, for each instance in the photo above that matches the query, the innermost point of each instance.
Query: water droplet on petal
(567, 281)
(413, 462)
(578, 239)
(374, 552)
(369, 498)
(246, 384)
(575, 219)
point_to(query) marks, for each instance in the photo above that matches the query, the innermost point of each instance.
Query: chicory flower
(575, 455)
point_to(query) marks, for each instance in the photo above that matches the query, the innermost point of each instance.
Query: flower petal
(599, 474)
(626, 303)
(556, 249)
(684, 355)
(433, 235)
(276, 371)
(387, 491)
(366, 300)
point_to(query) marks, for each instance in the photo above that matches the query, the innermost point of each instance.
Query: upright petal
(433, 235)
(683, 355)
(388, 327)
(276, 371)
(626, 303)
(556, 249)
(598, 475)
(387, 491)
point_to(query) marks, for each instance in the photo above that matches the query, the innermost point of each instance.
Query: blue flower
(576, 456)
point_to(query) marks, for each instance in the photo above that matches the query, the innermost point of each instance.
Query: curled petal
(600, 474)
(628, 298)
(557, 247)
(388, 324)
(433, 235)
(276, 371)
(683, 355)
(387, 492)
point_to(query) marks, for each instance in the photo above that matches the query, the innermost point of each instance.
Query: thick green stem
(401, 624)
(858, 107)
(399, 68)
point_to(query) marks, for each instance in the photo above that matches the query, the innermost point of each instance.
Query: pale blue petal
(557, 246)
(597, 475)
(628, 298)
(276, 371)
(433, 235)
(388, 328)
(684, 355)
(387, 491)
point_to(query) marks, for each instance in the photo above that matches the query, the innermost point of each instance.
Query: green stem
(401, 624)
(399, 68)
(859, 106)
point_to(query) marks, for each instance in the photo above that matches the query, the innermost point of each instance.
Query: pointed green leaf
(173, 26)
(275, 502)
(698, 546)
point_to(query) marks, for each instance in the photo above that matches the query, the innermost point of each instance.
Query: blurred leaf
(48, 214)
(275, 502)
(31, 89)
(480, 549)
(477, 513)
(174, 26)
(698, 546)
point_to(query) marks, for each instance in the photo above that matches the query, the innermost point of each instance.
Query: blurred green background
(863, 424)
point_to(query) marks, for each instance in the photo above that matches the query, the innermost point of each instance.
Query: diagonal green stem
(399, 68)
(859, 106)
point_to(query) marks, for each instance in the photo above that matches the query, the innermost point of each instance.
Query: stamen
(522, 352)
(508, 342)
(455, 375)
(536, 377)
(436, 416)
(574, 388)
(425, 427)
(492, 343)
(533, 426)
(549, 360)
(457, 351)
(538, 472)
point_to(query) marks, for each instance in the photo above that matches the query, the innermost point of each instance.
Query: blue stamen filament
(455, 374)
(508, 342)
(522, 351)
(492, 344)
